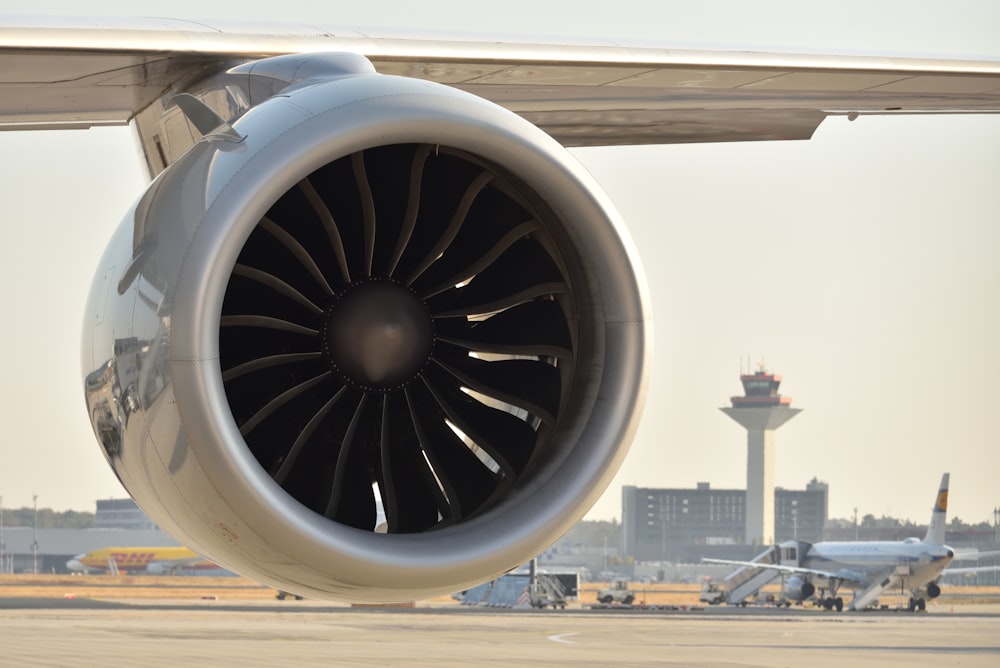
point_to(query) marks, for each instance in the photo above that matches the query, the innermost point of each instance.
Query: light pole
(663, 533)
(34, 538)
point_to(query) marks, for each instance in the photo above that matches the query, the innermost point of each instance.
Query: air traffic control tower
(760, 411)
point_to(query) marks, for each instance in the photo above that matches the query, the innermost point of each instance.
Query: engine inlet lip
(378, 335)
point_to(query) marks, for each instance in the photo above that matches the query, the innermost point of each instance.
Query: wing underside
(791, 570)
(971, 570)
(79, 74)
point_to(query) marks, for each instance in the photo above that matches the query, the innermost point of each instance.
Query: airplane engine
(933, 590)
(798, 589)
(384, 341)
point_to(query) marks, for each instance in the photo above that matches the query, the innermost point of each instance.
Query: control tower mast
(760, 411)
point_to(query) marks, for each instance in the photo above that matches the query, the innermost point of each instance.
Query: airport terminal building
(683, 525)
(122, 514)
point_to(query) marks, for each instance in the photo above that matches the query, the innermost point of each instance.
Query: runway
(83, 633)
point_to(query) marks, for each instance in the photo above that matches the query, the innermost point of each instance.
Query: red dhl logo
(126, 558)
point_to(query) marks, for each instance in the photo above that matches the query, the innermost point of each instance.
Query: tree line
(47, 518)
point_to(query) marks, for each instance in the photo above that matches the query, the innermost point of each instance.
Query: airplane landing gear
(829, 603)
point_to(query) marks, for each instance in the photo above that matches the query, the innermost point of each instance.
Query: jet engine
(376, 340)
(798, 589)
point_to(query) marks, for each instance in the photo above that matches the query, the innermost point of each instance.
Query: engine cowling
(391, 297)
(798, 589)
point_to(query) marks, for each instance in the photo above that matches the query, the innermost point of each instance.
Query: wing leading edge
(797, 570)
(77, 74)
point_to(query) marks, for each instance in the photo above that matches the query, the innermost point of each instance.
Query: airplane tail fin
(935, 530)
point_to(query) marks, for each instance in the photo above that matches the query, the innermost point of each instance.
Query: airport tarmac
(81, 633)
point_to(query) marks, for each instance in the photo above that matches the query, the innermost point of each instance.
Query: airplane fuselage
(915, 563)
(869, 568)
(136, 559)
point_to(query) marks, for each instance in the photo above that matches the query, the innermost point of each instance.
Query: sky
(860, 265)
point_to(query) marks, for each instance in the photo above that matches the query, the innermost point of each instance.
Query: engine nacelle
(798, 589)
(933, 590)
(391, 344)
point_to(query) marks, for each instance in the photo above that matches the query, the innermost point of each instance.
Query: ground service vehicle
(618, 592)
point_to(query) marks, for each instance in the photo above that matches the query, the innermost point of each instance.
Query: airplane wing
(844, 576)
(62, 73)
(968, 555)
(973, 555)
(968, 570)
(784, 569)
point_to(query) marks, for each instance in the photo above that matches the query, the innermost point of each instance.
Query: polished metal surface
(188, 303)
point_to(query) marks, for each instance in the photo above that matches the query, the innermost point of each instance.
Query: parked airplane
(367, 266)
(151, 560)
(869, 568)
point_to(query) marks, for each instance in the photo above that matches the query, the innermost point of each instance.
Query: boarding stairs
(867, 597)
(746, 581)
(547, 590)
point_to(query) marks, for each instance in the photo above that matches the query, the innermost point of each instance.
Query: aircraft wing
(967, 570)
(783, 569)
(970, 555)
(63, 73)
(967, 555)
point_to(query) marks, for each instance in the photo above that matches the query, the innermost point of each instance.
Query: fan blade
(367, 207)
(329, 224)
(461, 212)
(279, 401)
(484, 247)
(533, 385)
(412, 206)
(267, 362)
(466, 480)
(266, 322)
(533, 328)
(278, 285)
(410, 494)
(506, 438)
(523, 273)
(288, 463)
(352, 500)
(298, 251)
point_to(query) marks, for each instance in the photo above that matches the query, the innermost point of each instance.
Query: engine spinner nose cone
(378, 335)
